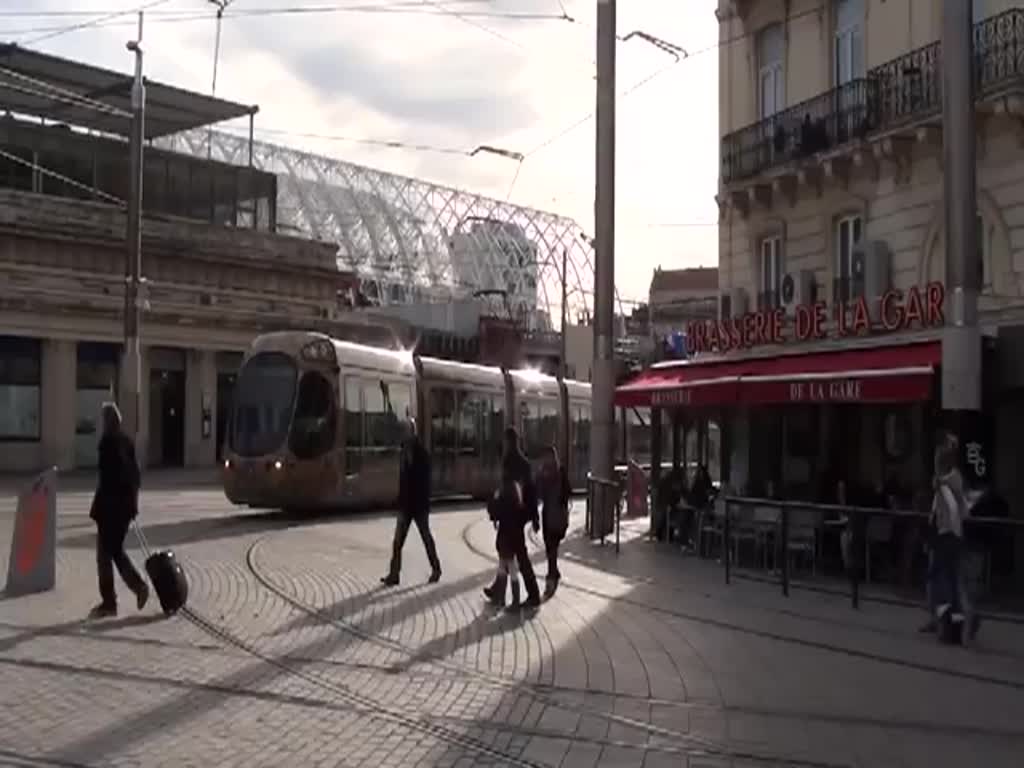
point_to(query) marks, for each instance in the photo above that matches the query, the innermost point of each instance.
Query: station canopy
(65, 91)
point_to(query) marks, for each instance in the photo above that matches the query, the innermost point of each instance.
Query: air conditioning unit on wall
(798, 288)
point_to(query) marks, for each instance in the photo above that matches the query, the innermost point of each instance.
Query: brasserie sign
(897, 310)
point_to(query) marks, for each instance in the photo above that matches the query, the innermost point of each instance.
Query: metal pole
(563, 367)
(133, 267)
(603, 424)
(961, 342)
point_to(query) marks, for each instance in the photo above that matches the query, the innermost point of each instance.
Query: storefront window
(96, 382)
(19, 388)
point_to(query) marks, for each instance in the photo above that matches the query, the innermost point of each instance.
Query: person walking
(508, 514)
(554, 490)
(949, 591)
(515, 467)
(114, 505)
(413, 507)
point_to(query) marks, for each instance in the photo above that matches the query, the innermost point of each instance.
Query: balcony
(902, 95)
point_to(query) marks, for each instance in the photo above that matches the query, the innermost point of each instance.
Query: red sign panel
(921, 308)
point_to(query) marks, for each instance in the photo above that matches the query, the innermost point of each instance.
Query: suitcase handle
(141, 537)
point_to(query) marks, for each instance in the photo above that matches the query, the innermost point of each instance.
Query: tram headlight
(278, 464)
(227, 463)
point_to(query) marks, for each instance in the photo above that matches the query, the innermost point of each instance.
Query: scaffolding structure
(411, 241)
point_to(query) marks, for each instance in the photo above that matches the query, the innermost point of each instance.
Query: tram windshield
(264, 399)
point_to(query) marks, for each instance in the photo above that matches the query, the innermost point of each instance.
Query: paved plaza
(293, 655)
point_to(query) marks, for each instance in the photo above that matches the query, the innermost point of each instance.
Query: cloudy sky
(432, 73)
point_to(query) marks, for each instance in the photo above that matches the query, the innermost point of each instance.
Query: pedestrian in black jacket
(413, 507)
(114, 506)
(516, 468)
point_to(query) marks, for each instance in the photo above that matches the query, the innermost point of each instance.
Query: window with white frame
(848, 233)
(849, 41)
(771, 83)
(771, 271)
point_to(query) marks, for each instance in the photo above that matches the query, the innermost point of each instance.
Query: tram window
(583, 430)
(530, 411)
(353, 425)
(496, 427)
(379, 426)
(548, 425)
(399, 402)
(315, 420)
(469, 431)
(442, 418)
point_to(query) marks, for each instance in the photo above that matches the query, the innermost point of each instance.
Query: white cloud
(439, 80)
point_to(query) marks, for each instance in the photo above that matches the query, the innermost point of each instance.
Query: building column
(59, 369)
(200, 408)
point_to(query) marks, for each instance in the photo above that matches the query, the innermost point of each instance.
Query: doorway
(167, 418)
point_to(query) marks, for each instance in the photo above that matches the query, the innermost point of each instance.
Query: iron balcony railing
(816, 125)
(902, 91)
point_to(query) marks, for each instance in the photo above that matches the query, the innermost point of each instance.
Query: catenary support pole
(961, 342)
(603, 389)
(132, 375)
(564, 366)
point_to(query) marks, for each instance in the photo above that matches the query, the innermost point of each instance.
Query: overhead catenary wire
(57, 32)
(402, 8)
(95, 191)
(659, 72)
(48, 90)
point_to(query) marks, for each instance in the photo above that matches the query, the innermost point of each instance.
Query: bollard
(725, 542)
(33, 563)
(784, 547)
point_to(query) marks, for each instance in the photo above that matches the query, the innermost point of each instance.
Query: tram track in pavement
(361, 704)
(670, 741)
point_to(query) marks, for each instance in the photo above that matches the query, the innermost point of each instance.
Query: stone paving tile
(608, 655)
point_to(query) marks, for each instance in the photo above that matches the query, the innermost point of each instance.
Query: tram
(317, 422)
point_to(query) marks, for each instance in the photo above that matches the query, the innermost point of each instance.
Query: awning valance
(891, 374)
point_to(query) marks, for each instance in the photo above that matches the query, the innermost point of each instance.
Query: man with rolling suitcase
(114, 506)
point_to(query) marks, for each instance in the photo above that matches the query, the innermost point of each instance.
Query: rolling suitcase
(166, 575)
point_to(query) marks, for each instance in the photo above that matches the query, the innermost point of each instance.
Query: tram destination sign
(897, 310)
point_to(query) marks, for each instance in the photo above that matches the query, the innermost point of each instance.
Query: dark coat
(414, 480)
(116, 500)
(516, 467)
(555, 491)
(509, 513)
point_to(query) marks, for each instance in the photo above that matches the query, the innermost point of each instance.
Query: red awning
(891, 374)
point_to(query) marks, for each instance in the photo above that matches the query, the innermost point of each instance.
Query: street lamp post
(133, 256)
(603, 410)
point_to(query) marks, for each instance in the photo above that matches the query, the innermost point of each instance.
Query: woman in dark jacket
(553, 488)
(516, 468)
(114, 506)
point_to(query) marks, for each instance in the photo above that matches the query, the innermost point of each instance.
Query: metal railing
(903, 91)
(607, 495)
(853, 521)
(815, 125)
